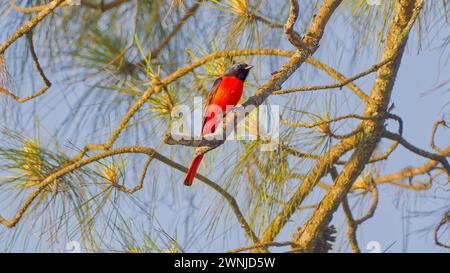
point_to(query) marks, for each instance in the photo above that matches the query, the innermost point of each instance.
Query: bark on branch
(29, 25)
(436, 157)
(47, 83)
(152, 154)
(405, 13)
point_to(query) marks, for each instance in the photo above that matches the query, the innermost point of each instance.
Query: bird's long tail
(192, 171)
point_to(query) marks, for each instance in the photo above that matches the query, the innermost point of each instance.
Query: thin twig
(102, 6)
(300, 154)
(437, 157)
(433, 135)
(409, 173)
(47, 83)
(189, 13)
(341, 84)
(131, 43)
(177, 27)
(444, 220)
(141, 180)
(268, 244)
(263, 20)
(29, 9)
(341, 78)
(327, 121)
(29, 25)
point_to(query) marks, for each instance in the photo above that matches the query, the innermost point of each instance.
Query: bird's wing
(209, 97)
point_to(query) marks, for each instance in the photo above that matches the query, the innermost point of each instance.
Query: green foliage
(102, 62)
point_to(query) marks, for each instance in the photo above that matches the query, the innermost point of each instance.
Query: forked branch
(152, 154)
(29, 25)
(436, 157)
(445, 220)
(40, 71)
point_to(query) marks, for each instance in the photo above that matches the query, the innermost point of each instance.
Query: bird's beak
(248, 67)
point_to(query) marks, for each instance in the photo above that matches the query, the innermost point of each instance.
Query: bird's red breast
(228, 93)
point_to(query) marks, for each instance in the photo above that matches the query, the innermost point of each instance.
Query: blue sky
(165, 206)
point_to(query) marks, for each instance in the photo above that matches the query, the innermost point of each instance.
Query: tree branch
(436, 157)
(102, 6)
(296, 153)
(409, 173)
(268, 244)
(312, 38)
(343, 82)
(406, 11)
(29, 25)
(394, 145)
(293, 37)
(47, 83)
(433, 135)
(444, 220)
(328, 121)
(157, 84)
(151, 153)
(279, 77)
(263, 20)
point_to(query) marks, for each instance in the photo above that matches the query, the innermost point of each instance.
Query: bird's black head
(239, 70)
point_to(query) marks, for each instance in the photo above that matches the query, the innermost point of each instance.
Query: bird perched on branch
(225, 93)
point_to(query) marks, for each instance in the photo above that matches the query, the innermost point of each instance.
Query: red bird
(226, 91)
